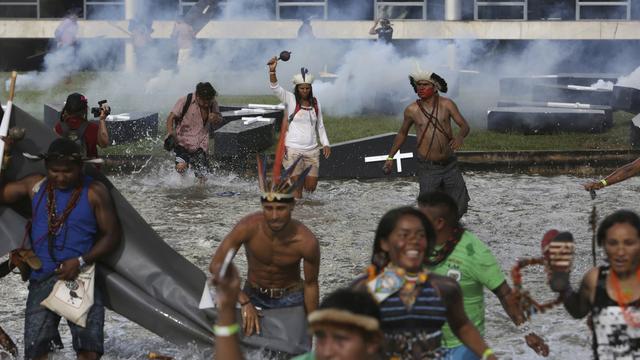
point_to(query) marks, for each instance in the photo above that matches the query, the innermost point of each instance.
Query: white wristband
(82, 262)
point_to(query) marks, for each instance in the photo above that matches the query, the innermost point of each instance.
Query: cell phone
(227, 261)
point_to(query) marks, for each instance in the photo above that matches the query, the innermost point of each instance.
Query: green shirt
(308, 356)
(473, 265)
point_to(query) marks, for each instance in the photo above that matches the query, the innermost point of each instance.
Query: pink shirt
(192, 133)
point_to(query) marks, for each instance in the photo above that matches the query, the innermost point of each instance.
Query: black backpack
(170, 142)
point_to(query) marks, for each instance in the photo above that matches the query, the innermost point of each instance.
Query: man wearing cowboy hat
(73, 225)
(436, 143)
(304, 120)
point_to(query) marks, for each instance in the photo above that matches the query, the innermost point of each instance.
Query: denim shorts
(41, 334)
(460, 352)
(263, 301)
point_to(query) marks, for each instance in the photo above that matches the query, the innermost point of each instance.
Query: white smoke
(631, 80)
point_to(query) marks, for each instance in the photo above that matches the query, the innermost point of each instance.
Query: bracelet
(82, 262)
(485, 355)
(272, 72)
(226, 330)
(603, 182)
(389, 158)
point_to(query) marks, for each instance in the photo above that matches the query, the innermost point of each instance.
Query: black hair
(442, 200)
(388, 223)
(205, 90)
(63, 150)
(312, 100)
(618, 217)
(76, 104)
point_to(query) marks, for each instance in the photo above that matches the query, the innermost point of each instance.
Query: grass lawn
(347, 128)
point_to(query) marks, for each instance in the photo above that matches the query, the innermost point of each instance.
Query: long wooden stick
(4, 126)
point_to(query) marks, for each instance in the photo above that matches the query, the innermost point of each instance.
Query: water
(509, 212)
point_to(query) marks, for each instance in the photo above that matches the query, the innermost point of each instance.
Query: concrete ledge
(403, 29)
(578, 162)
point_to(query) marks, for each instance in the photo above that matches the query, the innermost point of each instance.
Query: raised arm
(458, 320)
(311, 264)
(103, 134)
(16, 190)
(372, 31)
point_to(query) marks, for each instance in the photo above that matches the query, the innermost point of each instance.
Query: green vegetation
(341, 129)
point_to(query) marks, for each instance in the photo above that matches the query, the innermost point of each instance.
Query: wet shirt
(301, 134)
(192, 132)
(415, 332)
(74, 238)
(474, 267)
(385, 34)
(613, 338)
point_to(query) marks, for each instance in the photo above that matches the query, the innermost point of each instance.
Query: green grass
(341, 129)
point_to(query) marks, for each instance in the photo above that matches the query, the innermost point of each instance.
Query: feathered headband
(421, 75)
(58, 156)
(280, 187)
(303, 77)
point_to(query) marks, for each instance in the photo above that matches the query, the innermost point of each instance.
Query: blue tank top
(414, 333)
(75, 237)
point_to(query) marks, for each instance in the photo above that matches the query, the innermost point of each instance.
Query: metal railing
(380, 8)
(581, 4)
(524, 4)
(34, 3)
(283, 4)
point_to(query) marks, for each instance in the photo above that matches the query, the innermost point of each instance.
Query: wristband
(389, 158)
(603, 182)
(226, 330)
(485, 355)
(82, 262)
(272, 72)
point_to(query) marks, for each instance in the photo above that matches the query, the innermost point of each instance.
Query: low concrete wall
(579, 162)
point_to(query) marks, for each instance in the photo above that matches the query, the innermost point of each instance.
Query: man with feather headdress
(274, 244)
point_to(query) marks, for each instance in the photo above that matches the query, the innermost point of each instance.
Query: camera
(95, 111)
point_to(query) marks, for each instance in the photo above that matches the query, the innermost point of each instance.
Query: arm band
(488, 352)
(226, 330)
(389, 158)
(603, 182)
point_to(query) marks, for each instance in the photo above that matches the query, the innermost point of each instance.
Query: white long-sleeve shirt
(301, 134)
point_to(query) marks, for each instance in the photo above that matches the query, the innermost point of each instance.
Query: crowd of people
(421, 296)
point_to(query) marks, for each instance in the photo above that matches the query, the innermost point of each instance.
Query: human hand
(227, 288)
(561, 255)
(594, 185)
(214, 118)
(105, 110)
(68, 269)
(250, 319)
(273, 63)
(386, 169)
(326, 151)
(456, 143)
(537, 344)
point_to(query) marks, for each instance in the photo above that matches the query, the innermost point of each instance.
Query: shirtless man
(274, 244)
(436, 143)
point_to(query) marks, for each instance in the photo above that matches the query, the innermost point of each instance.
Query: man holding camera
(74, 125)
(188, 129)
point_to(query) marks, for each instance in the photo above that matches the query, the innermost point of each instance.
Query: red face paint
(425, 92)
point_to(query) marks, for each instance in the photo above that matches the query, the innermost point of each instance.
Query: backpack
(75, 135)
(298, 107)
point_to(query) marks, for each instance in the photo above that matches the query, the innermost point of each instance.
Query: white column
(453, 10)
(129, 51)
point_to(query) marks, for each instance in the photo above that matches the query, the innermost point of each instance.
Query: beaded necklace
(624, 298)
(446, 249)
(528, 304)
(56, 222)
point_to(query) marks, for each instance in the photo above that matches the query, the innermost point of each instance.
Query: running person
(304, 119)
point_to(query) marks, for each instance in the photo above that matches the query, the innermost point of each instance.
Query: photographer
(188, 129)
(74, 125)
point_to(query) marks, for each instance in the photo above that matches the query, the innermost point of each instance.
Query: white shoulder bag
(73, 299)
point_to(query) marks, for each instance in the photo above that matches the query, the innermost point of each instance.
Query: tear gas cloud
(371, 77)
